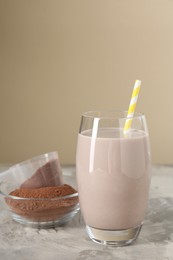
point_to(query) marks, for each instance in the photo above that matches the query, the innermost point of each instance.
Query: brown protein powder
(43, 204)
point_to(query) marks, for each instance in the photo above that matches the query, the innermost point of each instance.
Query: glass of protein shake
(113, 175)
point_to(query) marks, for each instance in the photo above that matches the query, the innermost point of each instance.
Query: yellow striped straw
(132, 105)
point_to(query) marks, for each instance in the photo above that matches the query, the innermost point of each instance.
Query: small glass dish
(37, 212)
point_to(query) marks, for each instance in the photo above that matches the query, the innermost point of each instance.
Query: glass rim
(35, 158)
(116, 114)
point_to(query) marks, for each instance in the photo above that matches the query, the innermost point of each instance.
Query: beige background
(60, 58)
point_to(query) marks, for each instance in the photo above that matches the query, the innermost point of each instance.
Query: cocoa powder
(43, 204)
(45, 192)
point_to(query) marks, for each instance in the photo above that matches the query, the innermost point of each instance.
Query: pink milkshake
(113, 175)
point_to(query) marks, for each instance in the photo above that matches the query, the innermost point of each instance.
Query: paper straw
(132, 105)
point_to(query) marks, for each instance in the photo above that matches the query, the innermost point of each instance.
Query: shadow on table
(77, 221)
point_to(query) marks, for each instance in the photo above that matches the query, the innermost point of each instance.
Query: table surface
(70, 241)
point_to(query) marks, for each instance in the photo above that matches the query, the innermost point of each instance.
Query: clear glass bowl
(37, 212)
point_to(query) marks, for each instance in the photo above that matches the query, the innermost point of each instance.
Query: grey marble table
(70, 241)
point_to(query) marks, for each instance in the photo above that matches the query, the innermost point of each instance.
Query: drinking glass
(113, 175)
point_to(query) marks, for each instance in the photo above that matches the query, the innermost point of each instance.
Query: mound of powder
(45, 204)
(45, 192)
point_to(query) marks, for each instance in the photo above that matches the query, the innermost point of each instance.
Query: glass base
(44, 224)
(122, 237)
